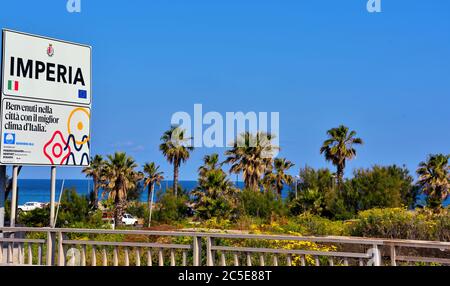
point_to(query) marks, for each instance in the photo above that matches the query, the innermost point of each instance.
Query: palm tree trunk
(247, 184)
(434, 199)
(118, 211)
(95, 192)
(115, 212)
(340, 177)
(250, 184)
(150, 202)
(175, 177)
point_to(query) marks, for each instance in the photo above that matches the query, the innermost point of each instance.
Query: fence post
(209, 251)
(376, 256)
(393, 255)
(61, 260)
(196, 251)
(50, 248)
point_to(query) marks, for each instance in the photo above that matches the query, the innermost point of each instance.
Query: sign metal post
(2, 198)
(51, 236)
(14, 196)
(52, 196)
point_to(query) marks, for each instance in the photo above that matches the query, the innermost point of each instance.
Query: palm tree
(211, 162)
(215, 193)
(94, 171)
(153, 177)
(176, 148)
(339, 147)
(214, 184)
(434, 178)
(119, 177)
(253, 156)
(279, 178)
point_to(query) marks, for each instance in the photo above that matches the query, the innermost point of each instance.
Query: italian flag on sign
(13, 85)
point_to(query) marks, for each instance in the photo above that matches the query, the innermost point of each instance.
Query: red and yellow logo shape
(54, 149)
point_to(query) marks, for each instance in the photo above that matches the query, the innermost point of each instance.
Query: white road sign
(41, 68)
(45, 101)
(44, 133)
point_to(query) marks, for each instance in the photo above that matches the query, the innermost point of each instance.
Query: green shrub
(73, 208)
(340, 205)
(383, 187)
(171, 208)
(245, 222)
(138, 210)
(442, 220)
(315, 225)
(398, 223)
(258, 204)
(36, 217)
(309, 200)
(306, 224)
(215, 194)
(74, 211)
(379, 186)
(209, 208)
(217, 223)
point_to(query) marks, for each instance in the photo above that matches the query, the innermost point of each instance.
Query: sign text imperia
(51, 72)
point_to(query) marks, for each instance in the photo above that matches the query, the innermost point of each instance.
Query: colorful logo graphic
(78, 130)
(57, 150)
(73, 150)
(78, 125)
(9, 139)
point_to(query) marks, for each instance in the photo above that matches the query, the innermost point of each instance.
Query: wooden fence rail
(92, 247)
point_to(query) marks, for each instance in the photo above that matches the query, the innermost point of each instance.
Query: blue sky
(319, 63)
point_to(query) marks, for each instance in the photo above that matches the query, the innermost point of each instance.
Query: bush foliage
(378, 187)
(402, 224)
(171, 208)
(260, 204)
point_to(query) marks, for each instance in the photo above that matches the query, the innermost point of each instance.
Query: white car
(30, 206)
(128, 219)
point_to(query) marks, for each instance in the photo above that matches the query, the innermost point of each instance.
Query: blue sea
(39, 190)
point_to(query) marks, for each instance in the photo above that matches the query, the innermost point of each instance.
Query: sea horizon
(38, 190)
